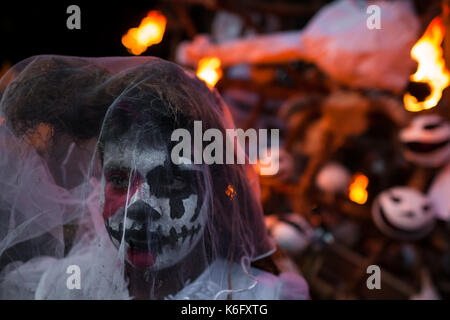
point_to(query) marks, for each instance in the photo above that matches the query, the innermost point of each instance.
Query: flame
(2, 120)
(357, 190)
(150, 32)
(40, 136)
(230, 192)
(431, 67)
(209, 70)
(265, 165)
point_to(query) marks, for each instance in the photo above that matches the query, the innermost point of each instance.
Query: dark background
(39, 27)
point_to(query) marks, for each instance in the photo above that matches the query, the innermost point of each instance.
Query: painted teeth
(137, 233)
(129, 223)
(173, 237)
(184, 232)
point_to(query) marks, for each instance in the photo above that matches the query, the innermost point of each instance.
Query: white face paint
(165, 212)
(403, 213)
(426, 141)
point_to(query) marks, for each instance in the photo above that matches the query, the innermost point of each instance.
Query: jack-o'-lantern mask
(426, 141)
(403, 213)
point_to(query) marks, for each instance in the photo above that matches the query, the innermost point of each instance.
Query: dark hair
(71, 98)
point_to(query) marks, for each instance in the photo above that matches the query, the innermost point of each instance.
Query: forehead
(141, 156)
(406, 197)
(424, 120)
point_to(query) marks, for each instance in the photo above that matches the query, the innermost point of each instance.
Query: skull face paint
(403, 213)
(164, 216)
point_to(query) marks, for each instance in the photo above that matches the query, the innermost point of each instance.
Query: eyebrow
(188, 167)
(114, 164)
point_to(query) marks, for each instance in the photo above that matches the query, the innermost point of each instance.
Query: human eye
(118, 178)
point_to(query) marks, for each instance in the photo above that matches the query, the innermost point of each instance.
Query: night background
(340, 119)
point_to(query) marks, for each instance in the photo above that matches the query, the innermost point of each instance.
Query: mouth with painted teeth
(143, 246)
(419, 147)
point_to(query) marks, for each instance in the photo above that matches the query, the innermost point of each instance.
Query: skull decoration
(151, 206)
(403, 213)
(439, 193)
(291, 232)
(333, 178)
(426, 141)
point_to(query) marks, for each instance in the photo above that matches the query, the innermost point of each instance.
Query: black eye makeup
(433, 126)
(172, 180)
(395, 199)
(426, 208)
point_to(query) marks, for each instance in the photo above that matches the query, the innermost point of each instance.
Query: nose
(409, 214)
(142, 212)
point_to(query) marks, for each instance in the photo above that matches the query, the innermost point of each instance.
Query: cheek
(115, 199)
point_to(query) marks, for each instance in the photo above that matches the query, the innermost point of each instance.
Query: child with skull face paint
(148, 228)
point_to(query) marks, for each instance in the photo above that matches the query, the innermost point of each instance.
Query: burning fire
(2, 120)
(230, 192)
(209, 70)
(357, 189)
(431, 67)
(150, 32)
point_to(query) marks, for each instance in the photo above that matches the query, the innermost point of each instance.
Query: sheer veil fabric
(88, 184)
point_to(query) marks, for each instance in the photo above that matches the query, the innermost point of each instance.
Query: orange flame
(2, 120)
(150, 32)
(209, 70)
(431, 67)
(230, 192)
(357, 189)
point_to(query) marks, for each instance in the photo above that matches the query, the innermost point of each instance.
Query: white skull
(165, 211)
(333, 178)
(291, 232)
(426, 141)
(404, 213)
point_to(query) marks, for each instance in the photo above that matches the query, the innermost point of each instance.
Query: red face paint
(116, 194)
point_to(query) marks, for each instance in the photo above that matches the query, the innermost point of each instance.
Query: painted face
(151, 206)
(403, 213)
(426, 141)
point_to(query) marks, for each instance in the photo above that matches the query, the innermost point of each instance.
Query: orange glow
(209, 70)
(431, 67)
(2, 120)
(357, 190)
(41, 136)
(230, 192)
(150, 32)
